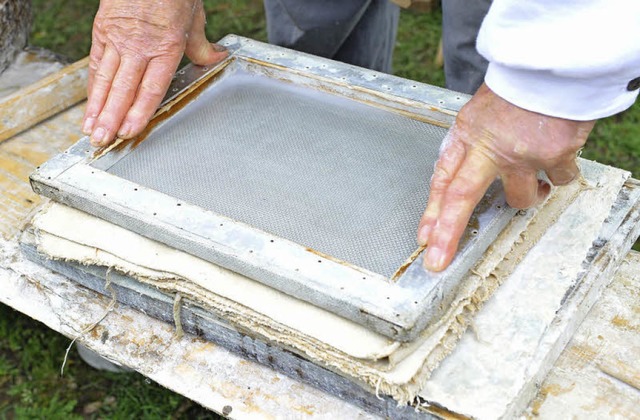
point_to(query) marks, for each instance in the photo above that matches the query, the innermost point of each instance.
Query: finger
(198, 49)
(464, 192)
(121, 96)
(153, 87)
(451, 157)
(95, 57)
(101, 81)
(521, 188)
(563, 173)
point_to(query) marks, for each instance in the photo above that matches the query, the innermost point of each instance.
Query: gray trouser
(464, 68)
(359, 32)
(363, 32)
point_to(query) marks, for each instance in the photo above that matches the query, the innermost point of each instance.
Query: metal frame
(398, 307)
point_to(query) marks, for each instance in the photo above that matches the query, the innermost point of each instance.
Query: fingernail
(88, 125)
(434, 260)
(423, 235)
(219, 48)
(98, 138)
(125, 130)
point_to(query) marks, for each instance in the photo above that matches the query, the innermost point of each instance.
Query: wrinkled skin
(136, 48)
(494, 138)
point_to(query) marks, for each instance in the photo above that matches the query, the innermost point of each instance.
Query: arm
(136, 48)
(554, 68)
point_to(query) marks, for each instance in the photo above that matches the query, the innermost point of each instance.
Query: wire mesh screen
(338, 176)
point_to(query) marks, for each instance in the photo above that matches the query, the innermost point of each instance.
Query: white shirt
(565, 58)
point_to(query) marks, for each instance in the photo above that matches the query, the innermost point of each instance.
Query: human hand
(137, 46)
(494, 138)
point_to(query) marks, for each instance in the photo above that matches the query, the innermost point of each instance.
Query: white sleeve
(574, 59)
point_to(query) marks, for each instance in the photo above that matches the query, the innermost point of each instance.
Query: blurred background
(31, 354)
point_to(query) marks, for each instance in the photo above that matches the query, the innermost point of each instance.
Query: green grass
(31, 386)
(31, 354)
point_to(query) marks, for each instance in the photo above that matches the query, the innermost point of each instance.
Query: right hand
(137, 46)
(494, 138)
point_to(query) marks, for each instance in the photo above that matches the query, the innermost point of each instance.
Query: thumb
(198, 49)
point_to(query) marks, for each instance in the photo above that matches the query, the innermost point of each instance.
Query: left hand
(494, 138)
(137, 45)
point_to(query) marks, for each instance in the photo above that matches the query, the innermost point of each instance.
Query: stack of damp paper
(276, 196)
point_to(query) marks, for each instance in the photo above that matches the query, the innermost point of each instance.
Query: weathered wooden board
(23, 153)
(30, 66)
(598, 374)
(227, 383)
(205, 372)
(42, 99)
(519, 334)
(20, 155)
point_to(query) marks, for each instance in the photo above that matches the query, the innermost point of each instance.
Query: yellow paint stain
(556, 389)
(197, 352)
(609, 402)
(305, 409)
(624, 323)
(580, 356)
(550, 389)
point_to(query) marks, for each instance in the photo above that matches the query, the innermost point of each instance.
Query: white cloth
(570, 59)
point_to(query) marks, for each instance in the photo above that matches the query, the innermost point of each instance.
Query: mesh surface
(341, 177)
